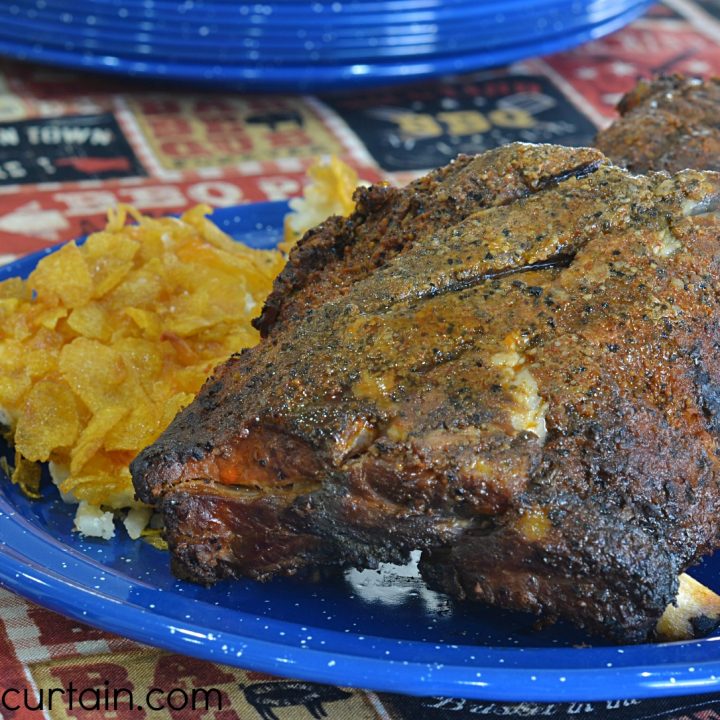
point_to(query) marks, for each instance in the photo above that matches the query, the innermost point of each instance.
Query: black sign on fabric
(75, 147)
(696, 707)
(712, 6)
(425, 126)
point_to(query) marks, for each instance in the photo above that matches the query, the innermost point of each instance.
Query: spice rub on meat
(512, 364)
(669, 123)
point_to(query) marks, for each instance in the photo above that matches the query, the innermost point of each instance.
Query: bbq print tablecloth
(71, 145)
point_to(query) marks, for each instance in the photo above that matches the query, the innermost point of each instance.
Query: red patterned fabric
(72, 145)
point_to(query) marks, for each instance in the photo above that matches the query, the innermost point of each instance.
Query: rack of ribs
(512, 364)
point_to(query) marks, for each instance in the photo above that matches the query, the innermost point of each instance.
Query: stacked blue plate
(300, 44)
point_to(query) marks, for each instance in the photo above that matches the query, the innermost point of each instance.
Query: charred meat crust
(387, 220)
(669, 124)
(523, 383)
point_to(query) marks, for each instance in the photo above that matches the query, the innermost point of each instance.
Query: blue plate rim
(428, 51)
(445, 17)
(313, 12)
(345, 659)
(314, 77)
(235, 48)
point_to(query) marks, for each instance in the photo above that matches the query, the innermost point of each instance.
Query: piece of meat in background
(670, 123)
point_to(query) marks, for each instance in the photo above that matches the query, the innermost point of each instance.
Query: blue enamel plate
(291, 20)
(223, 43)
(409, 49)
(377, 630)
(264, 74)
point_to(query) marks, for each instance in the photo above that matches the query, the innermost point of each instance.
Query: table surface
(72, 145)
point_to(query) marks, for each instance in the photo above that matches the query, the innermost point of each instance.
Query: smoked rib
(512, 364)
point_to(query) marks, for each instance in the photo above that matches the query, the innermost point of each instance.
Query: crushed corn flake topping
(330, 192)
(105, 342)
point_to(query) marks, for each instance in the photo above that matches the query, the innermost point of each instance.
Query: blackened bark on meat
(387, 220)
(512, 365)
